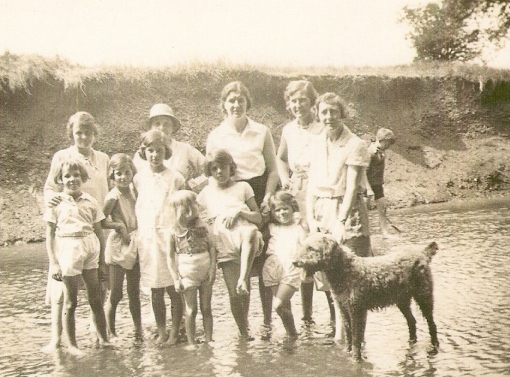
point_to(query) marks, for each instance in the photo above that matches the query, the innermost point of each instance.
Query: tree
(457, 29)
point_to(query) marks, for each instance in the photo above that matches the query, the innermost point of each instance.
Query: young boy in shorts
(385, 138)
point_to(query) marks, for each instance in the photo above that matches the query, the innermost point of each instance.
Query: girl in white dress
(279, 272)
(155, 187)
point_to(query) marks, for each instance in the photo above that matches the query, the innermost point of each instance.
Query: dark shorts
(378, 191)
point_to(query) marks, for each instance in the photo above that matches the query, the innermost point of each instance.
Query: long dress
(154, 224)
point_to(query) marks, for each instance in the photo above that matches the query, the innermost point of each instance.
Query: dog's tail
(431, 250)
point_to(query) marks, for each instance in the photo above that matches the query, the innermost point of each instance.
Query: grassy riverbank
(452, 121)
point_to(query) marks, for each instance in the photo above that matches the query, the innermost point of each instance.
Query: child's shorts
(228, 241)
(77, 254)
(194, 268)
(119, 253)
(275, 273)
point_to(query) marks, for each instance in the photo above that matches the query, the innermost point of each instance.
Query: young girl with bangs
(83, 130)
(155, 187)
(279, 272)
(192, 261)
(75, 246)
(121, 252)
(233, 216)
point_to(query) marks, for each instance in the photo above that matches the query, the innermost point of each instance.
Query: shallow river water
(472, 313)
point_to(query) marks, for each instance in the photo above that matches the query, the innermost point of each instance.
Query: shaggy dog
(361, 284)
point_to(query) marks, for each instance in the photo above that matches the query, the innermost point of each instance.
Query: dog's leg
(339, 333)
(359, 317)
(426, 304)
(405, 308)
(346, 330)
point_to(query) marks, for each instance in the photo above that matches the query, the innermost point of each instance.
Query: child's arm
(98, 230)
(212, 254)
(253, 215)
(173, 266)
(55, 271)
(108, 223)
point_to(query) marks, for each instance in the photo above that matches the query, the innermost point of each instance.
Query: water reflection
(471, 312)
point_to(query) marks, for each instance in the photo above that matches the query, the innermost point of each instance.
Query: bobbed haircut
(182, 199)
(119, 161)
(220, 157)
(283, 197)
(83, 119)
(235, 86)
(151, 138)
(304, 86)
(70, 165)
(334, 100)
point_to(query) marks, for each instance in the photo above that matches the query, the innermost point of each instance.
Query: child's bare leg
(159, 309)
(103, 293)
(57, 306)
(283, 293)
(381, 211)
(190, 300)
(205, 292)
(133, 291)
(249, 247)
(307, 300)
(116, 276)
(237, 301)
(177, 307)
(71, 284)
(91, 279)
(266, 300)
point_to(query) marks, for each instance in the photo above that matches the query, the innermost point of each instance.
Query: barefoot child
(279, 272)
(192, 261)
(83, 130)
(234, 216)
(155, 186)
(121, 252)
(74, 241)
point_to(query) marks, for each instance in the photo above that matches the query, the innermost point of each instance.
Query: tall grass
(19, 71)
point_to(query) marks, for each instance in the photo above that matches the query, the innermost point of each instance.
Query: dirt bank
(453, 139)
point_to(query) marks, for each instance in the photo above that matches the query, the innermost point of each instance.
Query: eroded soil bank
(453, 137)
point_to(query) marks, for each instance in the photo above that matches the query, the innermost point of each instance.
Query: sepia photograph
(254, 188)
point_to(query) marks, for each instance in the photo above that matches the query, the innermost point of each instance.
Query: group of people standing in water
(168, 217)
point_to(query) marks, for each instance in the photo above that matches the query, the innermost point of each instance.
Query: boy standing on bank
(385, 138)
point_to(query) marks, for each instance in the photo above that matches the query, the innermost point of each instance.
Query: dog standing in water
(362, 284)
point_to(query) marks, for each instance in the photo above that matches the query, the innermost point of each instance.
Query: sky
(167, 32)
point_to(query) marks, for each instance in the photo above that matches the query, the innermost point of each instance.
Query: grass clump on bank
(18, 72)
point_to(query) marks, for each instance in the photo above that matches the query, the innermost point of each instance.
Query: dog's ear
(329, 248)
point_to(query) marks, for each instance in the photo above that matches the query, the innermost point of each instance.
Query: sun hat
(385, 134)
(163, 109)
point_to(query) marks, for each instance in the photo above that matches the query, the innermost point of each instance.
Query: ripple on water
(471, 312)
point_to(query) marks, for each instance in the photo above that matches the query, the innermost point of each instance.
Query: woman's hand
(56, 272)
(242, 287)
(339, 232)
(54, 200)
